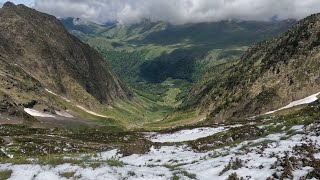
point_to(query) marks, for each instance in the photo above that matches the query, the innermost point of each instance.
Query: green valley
(161, 62)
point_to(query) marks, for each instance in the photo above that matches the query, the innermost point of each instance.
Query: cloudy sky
(176, 11)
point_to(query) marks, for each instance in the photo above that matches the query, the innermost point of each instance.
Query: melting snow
(91, 112)
(4, 151)
(306, 100)
(297, 128)
(156, 164)
(64, 114)
(57, 95)
(164, 162)
(317, 156)
(36, 113)
(186, 135)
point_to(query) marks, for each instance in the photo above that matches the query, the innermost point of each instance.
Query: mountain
(37, 53)
(84, 28)
(182, 51)
(268, 76)
(162, 61)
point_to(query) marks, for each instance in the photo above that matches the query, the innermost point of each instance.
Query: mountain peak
(20, 8)
(8, 5)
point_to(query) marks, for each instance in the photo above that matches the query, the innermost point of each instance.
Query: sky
(176, 11)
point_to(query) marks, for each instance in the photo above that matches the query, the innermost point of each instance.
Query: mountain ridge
(37, 47)
(269, 75)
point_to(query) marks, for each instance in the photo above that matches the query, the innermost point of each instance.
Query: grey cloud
(178, 11)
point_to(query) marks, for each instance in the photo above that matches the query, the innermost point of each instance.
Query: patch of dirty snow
(317, 156)
(112, 154)
(4, 152)
(36, 113)
(164, 155)
(186, 135)
(297, 128)
(306, 100)
(64, 114)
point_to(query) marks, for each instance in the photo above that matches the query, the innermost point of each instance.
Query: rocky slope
(268, 76)
(36, 52)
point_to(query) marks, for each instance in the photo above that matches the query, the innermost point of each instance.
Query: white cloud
(178, 11)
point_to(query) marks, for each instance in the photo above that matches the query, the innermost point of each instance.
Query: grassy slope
(124, 115)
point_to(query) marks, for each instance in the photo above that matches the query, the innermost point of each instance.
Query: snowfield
(64, 114)
(36, 113)
(187, 135)
(259, 161)
(306, 100)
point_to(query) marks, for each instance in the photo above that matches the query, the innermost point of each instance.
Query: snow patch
(186, 135)
(306, 100)
(317, 156)
(4, 152)
(36, 113)
(64, 114)
(57, 95)
(297, 128)
(91, 112)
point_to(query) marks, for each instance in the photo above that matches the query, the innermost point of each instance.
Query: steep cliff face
(36, 52)
(268, 76)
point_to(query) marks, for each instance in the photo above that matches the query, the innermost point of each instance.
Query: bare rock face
(36, 52)
(268, 76)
